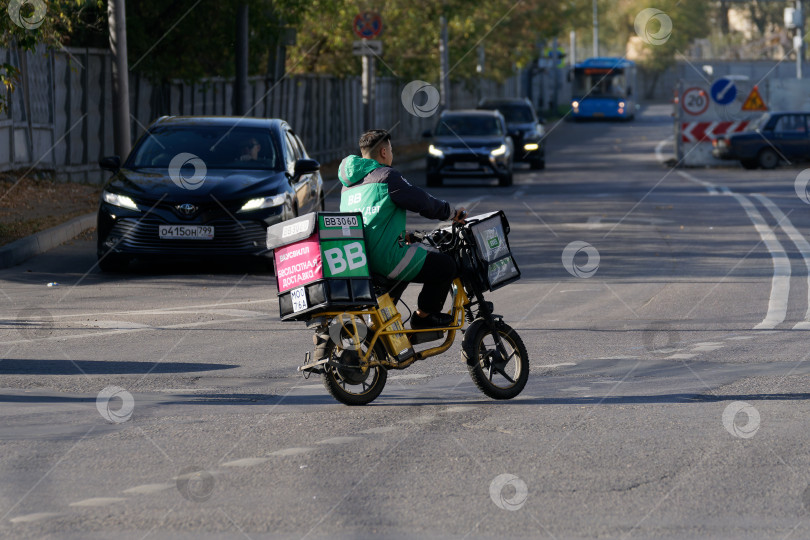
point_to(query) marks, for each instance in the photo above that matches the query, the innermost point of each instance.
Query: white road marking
(575, 389)
(711, 188)
(739, 338)
(408, 376)
(117, 325)
(38, 516)
(706, 348)
(246, 462)
(659, 155)
(780, 284)
(339, 440)
(146, 489)
(294, 451)
(184, 390)
(99, 501)
(561, 364)
(680, 356)
(801, 244)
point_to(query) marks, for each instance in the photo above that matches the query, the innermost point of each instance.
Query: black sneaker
(434, 320)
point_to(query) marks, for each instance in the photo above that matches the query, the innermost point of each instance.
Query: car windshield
(759, 123)
(469, 126)
(514, 114)
(219, 147)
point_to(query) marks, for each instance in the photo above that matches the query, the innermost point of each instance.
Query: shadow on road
(101, 367)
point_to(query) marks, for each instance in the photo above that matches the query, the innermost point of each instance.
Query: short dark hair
(371, 140)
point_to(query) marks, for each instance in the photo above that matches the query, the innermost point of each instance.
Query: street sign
(367, 25)
(363, 47)
(754, 102)
(695, 101)
(723, 91)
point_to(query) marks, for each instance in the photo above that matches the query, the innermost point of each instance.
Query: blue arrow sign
(723, 91)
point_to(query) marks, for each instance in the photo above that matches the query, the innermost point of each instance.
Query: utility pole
(595, 30)
(444, 58)
(241, 84)
(117, 21)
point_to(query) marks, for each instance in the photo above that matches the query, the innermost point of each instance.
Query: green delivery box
(321, 264)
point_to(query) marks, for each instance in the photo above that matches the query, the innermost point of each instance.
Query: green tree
(26, 24)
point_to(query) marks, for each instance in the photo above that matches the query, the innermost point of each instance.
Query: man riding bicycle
(372, 187)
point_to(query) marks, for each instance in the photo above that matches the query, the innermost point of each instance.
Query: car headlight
(433, 151)
(118, 200)
(501, 150)
(531, 146)
(264, 202)
(575, 105)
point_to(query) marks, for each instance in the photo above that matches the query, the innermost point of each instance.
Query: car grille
(229, 236)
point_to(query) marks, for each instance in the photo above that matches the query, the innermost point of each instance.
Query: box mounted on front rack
(497, 267)
(321, 264)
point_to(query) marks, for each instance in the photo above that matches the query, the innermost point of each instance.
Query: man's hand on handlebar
(459, 216)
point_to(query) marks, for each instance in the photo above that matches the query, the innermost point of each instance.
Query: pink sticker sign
(298, 263)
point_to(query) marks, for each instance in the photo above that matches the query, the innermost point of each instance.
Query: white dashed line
(99, 501)
(146, 489)
(246, 462)
(339, 440)
(39, 516)
(561, 364)
(292, 451)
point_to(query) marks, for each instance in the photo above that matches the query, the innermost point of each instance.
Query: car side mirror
(110, 163)
(306, 166)
(426, 134)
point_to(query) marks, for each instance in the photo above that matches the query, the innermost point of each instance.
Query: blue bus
(603, 88)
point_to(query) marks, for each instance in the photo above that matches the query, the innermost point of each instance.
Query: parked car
(525, 128)
(470, 143)
(204, 186)
(771, 138)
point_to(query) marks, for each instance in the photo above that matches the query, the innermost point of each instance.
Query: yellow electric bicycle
(356, 346)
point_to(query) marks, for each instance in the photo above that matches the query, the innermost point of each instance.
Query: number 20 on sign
(695, 101)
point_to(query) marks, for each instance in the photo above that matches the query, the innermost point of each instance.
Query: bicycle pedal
(424, 337)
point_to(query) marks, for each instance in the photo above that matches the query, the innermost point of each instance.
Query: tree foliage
(26, 24)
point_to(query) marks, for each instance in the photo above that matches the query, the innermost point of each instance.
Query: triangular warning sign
(754, 102)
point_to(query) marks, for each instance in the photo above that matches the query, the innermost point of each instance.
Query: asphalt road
(667, 395)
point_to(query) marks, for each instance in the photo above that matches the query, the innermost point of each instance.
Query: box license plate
(466, 166)
(186, 232)
(299, 299)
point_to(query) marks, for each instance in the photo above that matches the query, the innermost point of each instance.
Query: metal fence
(60, 116)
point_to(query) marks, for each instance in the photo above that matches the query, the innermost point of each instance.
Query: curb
(23, 249)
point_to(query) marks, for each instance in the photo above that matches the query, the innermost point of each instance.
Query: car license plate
(299, 299)
(598, 114)
(466, 166)
(186, 232)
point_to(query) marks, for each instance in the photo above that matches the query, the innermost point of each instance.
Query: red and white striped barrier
(694, 132)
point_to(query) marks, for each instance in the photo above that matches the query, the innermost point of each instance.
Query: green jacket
(382, 196)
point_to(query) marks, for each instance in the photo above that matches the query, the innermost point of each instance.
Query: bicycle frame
(382, 329)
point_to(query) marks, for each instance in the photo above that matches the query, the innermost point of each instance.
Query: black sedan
(204, 187)
(772, 138)
(524, 127)
(470, 143)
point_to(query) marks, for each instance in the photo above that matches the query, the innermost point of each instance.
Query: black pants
(437, 275)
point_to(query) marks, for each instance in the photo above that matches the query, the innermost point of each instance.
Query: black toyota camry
(204, 187)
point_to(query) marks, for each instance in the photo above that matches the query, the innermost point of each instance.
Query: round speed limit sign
(695, 101)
